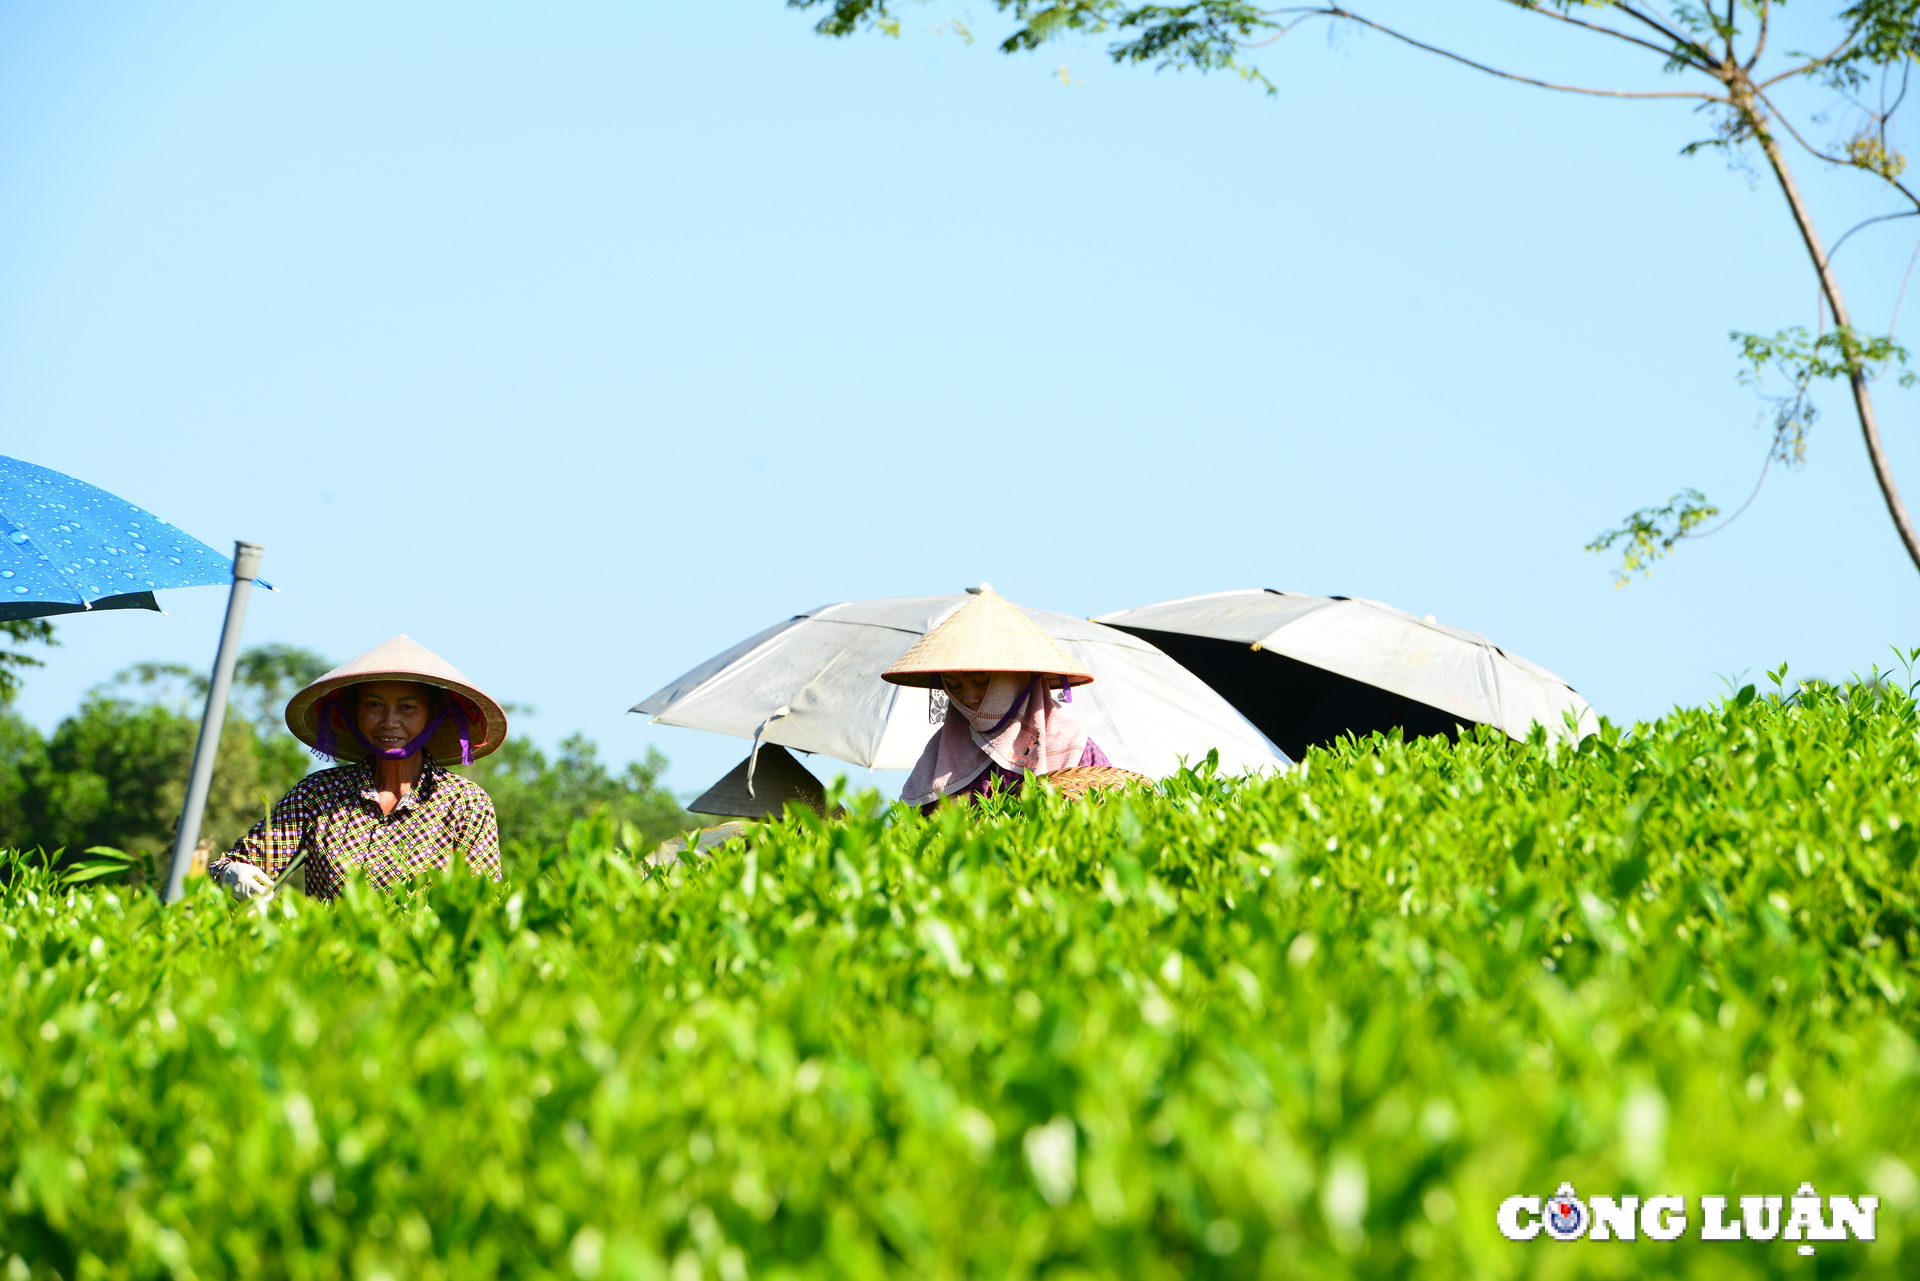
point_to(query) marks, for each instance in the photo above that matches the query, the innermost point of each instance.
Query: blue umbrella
(66, 546)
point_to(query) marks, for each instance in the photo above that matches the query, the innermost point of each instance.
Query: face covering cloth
(1019, 725)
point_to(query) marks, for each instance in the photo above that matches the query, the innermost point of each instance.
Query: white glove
(244, 880)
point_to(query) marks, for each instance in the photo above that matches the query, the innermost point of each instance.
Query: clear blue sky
(580, 340)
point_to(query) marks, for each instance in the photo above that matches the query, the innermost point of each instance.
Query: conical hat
(777, 779)
(987, 634)
(403, 659)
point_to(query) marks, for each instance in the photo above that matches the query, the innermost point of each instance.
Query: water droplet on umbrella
(18, 536)
(141, 546)
(20, 591)
(174, 559)
(6, 573)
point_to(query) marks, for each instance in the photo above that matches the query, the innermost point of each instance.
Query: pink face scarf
(1018, 726)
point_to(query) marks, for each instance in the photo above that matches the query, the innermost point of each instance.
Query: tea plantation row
(1315, 1025)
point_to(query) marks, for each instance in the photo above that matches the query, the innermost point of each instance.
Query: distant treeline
(114, 773)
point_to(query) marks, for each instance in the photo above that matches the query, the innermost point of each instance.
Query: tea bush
(1312, 1025)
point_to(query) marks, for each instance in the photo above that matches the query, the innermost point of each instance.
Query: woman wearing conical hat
(1009, 693)
(391, 809)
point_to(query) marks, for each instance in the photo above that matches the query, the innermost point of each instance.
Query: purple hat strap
(327, 743)
(1019, 705)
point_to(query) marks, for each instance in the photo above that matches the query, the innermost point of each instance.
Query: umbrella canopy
(66, 546)
(813, 683)
(1307, 669)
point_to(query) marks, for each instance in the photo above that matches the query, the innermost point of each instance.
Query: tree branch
(1665, 30)
(1765, 465)
(1862, 226)
(1900, 298)
(1801, 70)
(1760, 41)
(1557, 16)
(1830, 286)
(1815, 152)
(1884, 217)
(1333, 11)
(1811, 150)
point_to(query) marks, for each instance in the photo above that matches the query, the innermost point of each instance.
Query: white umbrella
(812, 683)
(1307, 668)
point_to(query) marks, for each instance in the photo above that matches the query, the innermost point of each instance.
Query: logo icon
(1566, 1215)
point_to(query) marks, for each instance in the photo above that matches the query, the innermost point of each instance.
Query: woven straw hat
(987, 634)
(403, 659)
(777, 779)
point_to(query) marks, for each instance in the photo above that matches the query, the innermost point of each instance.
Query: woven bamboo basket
(1081, 779)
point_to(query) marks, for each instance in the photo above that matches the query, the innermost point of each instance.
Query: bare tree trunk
(1830, 286)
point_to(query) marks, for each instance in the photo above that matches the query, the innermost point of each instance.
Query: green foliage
(1206, 35)
(20, 631)
(1879, 33)
(1214, 35)
(1868, 150)
(23, 753)
(1315, 1025)
(538, 800)
(1799, 361)
(1652, 532)
(115, 772)
(1834, 354)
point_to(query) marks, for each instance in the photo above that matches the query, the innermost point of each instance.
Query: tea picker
(1009, 694)
(812, 683)
(394, 718)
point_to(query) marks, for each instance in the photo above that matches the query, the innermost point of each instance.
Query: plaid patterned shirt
(334, 815)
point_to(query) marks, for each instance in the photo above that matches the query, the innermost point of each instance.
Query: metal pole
(246, 567)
